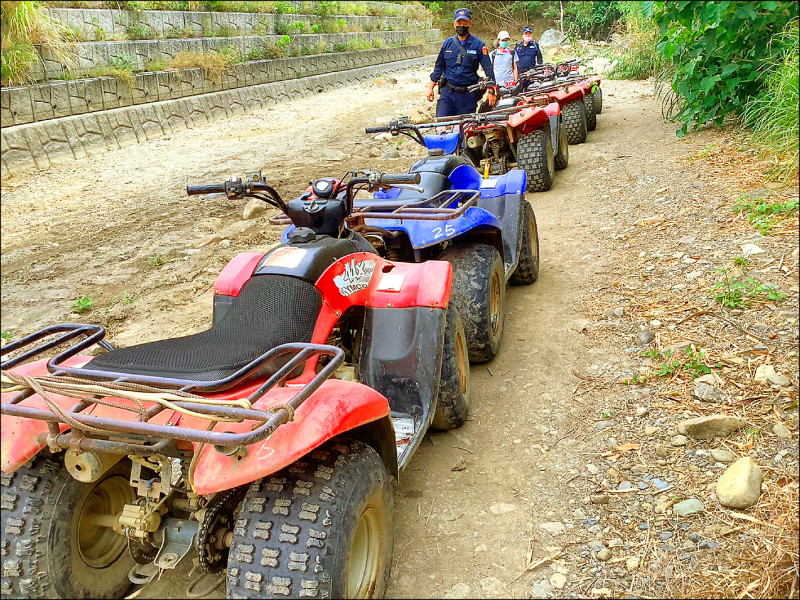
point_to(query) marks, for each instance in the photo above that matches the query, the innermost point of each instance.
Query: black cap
(527, 29)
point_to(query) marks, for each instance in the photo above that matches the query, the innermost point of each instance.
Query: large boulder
(552, 37)
(740, 484)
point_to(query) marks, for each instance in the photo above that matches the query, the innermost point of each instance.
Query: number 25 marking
(447, 231)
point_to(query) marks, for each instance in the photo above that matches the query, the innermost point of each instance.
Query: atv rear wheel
(527, 270)
(591, 112)
(561, 160)
(598, 100)
(574, 115)
(535, 156)
(479, 294)
(57, 543)
(452, 405)
(322, 527)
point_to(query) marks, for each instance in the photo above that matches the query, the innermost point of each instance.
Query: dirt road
(118, 229)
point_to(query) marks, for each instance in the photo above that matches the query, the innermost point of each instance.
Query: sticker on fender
(286, 258)
(356, 277)
(391, 282)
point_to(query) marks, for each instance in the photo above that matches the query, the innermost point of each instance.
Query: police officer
(528, 52)
(457, 65)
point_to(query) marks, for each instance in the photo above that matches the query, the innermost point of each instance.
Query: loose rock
(707, 393)
(688, 507)
(553, 527)
(632, 564)
(254, 208)
(539, 589)
(644, 337)
(604, 554)
(782, 431)
(740, 484)
(703, 428)
(763, 372)
(502, 508)
(558, 581)
(779, 379)
(679, 440)
(723, 456)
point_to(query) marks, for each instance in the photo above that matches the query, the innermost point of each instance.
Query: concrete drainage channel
(71, 114)
(42, 144)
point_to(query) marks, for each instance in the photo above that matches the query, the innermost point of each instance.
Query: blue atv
(484, 227)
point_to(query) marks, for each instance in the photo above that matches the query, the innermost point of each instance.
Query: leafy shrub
(718, 51)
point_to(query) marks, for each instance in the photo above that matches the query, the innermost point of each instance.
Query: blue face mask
(504, 44)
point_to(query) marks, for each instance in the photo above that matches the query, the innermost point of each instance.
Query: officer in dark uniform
(528, 52)
(457, 67)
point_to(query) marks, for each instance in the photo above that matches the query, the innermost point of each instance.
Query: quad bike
(494, 239)
(567, 72)
(529, 138)
(267, 443)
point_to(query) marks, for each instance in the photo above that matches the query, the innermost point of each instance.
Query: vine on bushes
(717, 50)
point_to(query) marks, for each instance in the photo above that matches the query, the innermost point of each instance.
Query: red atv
(267, 444)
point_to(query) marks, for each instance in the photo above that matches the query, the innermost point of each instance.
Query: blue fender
(422, 234)
(503, 196)
(448, 142)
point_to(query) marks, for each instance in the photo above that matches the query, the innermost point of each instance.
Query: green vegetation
(772, 114)
(156, 260)
(6, 335)
(82, 304)
(692, 363)
(639, 58)
(214, 63)
(127, 299)
(764, 215)
(718, 53)
(22, 25)
(733, 293)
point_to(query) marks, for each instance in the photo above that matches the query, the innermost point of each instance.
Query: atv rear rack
(264, 422)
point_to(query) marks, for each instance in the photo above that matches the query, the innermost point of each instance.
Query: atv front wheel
(535, 156)
(591, 112)
(527, 270)
(479, 293)
(452, 405)
(561, 160)
(598, 100)
(321, 528)
(57, 542)
(574, 115)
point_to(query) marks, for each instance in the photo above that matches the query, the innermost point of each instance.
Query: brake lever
(409, 186)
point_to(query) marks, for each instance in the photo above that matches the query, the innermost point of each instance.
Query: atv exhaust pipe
(475, 141)
(88, 466)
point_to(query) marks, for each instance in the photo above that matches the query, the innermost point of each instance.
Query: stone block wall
(42, 144)
(142, 52)
(108, 24)
(56, 99)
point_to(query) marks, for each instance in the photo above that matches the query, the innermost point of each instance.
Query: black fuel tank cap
(302, 235)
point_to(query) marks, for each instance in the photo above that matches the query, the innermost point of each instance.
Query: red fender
(528, 119)
(231, 279)
(335, 408)
(18, 442)
(553, 109)
(565, 96)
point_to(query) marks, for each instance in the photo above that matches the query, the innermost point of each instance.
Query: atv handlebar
(380, 129)
(401, 178)
(214, 188)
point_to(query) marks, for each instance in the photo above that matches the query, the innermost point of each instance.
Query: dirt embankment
(551, 488)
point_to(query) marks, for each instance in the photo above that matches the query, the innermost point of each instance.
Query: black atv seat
(270, 310)
(444, 165)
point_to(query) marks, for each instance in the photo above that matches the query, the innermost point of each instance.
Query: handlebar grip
(194, 190)
(380, 129)
(388, 179)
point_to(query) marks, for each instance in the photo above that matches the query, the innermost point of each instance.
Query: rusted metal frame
(68, 440)
(72, 330)
(423, 214)
(269, 420)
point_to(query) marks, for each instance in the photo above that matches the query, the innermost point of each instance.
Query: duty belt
(457, 89)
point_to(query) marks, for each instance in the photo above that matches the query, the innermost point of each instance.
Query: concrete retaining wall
(43, 144)
(56, 99)
(108, 24)
(142, 52)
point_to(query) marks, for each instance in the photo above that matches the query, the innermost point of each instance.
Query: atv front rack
(417, 210)
(265, 422)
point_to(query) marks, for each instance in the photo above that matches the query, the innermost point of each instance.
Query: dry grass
(215, 64)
